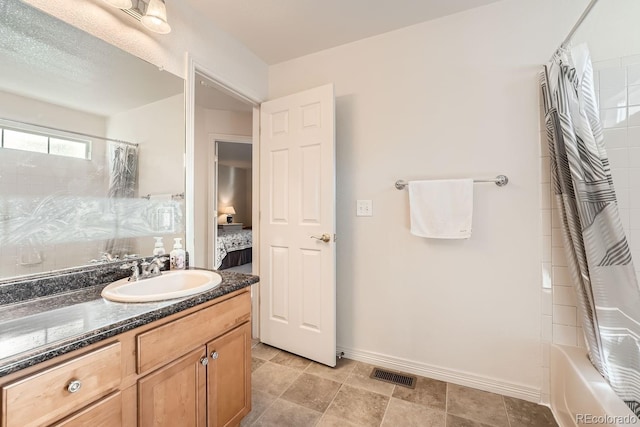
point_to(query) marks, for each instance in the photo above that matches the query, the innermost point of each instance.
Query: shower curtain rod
(69, 131)
(584, 15)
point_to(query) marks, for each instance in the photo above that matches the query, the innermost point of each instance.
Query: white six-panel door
(297, 207)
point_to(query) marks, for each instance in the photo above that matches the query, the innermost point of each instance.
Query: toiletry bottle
(177, 255)
(158, 249)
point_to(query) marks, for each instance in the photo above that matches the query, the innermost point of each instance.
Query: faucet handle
(160, 260)
(128, 265)
(107, 257)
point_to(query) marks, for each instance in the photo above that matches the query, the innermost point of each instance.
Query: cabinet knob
(204, 361)
(214, 355)
(74, 386)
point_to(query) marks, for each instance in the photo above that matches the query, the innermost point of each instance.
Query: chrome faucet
(144, 269)
(152, 269)
(105, 257)
(135, 272)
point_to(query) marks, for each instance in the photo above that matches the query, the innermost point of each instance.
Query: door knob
(214, 355)
(204, 361)
(325, 237)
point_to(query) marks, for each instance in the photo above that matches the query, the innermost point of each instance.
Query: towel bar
(500, 181)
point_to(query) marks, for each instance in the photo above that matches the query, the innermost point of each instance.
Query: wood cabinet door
(229, 377)
(175, 395)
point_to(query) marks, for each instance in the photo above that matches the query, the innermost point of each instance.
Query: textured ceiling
(44, 58)
(279, 30)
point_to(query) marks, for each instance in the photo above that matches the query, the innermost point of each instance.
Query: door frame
(195, 65)
(212, 203)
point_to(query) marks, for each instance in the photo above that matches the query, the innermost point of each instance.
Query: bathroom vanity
(179, 362)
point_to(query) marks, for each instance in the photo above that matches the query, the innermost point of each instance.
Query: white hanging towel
(441, 209)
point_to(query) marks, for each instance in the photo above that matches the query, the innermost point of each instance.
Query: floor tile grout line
(446, 403)
(504, 403)
(304, 371)
(342, 384)
(264, 412)
(280, 395)
(330, 403)
(384, 414)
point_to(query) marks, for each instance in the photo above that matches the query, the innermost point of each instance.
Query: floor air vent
(394, 378)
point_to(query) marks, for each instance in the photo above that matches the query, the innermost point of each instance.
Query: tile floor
(292, 391)
(244, 268)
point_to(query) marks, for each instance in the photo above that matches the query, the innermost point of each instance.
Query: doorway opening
(221, 122)
(230, 198)
(224, 177)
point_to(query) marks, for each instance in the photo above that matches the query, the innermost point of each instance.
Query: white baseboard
(449, 375)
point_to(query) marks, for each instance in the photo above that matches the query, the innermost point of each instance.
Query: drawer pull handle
(74, 386)
(214, 355)
(204, 361)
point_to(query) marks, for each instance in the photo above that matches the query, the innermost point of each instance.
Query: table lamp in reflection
(229, 211)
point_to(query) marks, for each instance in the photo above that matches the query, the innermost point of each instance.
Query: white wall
(158, 128)
(234, 189)
(207, 123)
(29, 110)
(454, 97)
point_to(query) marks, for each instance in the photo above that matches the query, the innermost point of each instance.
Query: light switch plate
(364, 208)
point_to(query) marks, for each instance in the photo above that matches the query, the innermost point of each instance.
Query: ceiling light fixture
(155, 18)
(120, 4)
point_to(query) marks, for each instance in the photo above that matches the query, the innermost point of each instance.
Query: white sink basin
(169, 285)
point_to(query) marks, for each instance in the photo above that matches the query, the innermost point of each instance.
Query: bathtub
(579, 394)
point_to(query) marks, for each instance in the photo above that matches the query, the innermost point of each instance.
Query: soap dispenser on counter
(158, 249)
(177, 255)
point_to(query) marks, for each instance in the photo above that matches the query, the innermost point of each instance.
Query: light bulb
(155, 18)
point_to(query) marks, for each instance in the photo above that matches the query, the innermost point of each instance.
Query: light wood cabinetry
(106, 412)
(38, 399)
(224, 362)
(191, 368)
(229, 377)
(165, 343)
(175, 395)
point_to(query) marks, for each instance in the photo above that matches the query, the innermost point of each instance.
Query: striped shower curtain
(123, 179)
(597, 251)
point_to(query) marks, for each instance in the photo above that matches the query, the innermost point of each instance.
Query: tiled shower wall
(617, 85)
(618, 91)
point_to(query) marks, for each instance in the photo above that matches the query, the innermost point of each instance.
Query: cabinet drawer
(106, 412)
(168, 342)
(44, 397)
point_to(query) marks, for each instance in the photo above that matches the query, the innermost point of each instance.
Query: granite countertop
(41, 328)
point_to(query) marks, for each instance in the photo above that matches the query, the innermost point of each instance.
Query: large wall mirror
(91, 150)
